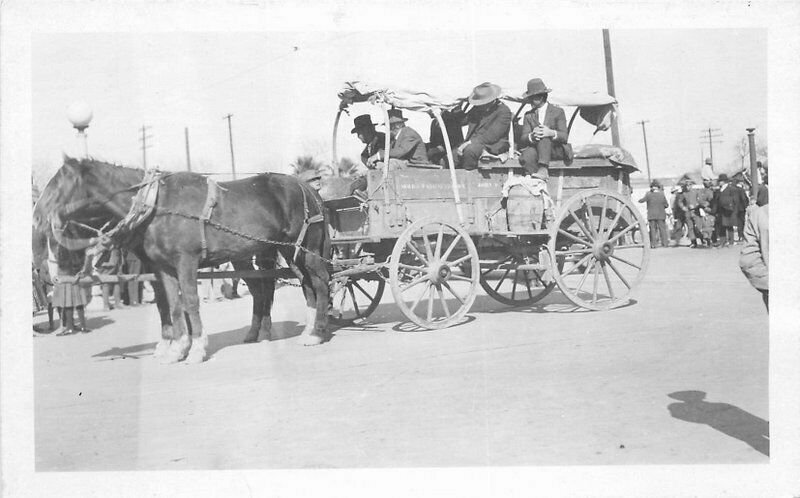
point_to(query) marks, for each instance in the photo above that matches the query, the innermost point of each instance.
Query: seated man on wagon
(544, 132)
(437, 151)
(407, 146)
(373, 141)
(488, 123)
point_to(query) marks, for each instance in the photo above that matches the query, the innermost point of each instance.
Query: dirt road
(679, 376)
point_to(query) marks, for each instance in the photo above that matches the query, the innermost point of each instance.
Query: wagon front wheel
(356, 298)
(426, 273)
(600, 238)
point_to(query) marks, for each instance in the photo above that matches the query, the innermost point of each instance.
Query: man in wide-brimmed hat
(656, 214)
(488, 123)
(374, 142)
(544, 131)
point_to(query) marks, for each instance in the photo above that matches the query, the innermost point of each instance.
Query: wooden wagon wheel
(356, 298)
(602, 240)
(424, 273)
(503, 282)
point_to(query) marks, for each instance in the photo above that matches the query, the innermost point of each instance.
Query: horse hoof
(170, 357)
(249, 339)
(195, 356)
(310, 340)
(161, 348)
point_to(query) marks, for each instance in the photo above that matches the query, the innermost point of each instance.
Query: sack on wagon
(528, 204)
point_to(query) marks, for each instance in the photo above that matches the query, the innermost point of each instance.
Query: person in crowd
(691, 197)
(680, 214)
(544, 132)
(762, 195)
(754, 258)
(133, 266)
(407, 146)
(64, 267)
(109, 262)
(374, 142)
(741, 208)
(702, 215)
(488, 123)
(727, 210)
(436, 150)
(656, 215)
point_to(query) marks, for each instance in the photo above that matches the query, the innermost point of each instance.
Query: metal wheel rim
(599, 249)
(447, 299)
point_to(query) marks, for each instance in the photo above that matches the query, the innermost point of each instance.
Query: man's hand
(541, 132)
(372, 160)
(460, 149)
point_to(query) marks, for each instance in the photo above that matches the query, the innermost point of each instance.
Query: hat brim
(481, 101)
(355, 129)
(527, 95)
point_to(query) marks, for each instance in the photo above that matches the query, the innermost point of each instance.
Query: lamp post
(80, 115)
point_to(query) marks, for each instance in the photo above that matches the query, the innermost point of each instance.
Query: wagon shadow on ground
(216, 341)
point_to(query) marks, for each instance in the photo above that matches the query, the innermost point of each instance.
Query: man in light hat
(544, 132)
(488, 123)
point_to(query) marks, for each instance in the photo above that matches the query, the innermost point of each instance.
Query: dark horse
(255, 217)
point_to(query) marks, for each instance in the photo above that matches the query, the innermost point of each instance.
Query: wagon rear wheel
(504, 282)
(602, 240)
(425, 276)
(356, 298)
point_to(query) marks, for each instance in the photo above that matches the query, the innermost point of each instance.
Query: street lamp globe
(80, 115)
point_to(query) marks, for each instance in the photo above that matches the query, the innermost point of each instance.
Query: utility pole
(230, 137)
(753, 163)
(646, 155)
(710, 135)
(188, 158)
(610, 84)
(145, 146)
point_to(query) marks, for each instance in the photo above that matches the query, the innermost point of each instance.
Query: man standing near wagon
(656, 214)
(488, 124)
(544, 132)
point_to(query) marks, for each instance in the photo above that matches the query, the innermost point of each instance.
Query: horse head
(84, 193)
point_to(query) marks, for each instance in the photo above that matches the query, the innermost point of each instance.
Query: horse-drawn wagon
(437, 233)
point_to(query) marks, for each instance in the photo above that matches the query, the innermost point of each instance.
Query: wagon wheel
(505, 283)
(602, 240)
(356, 298)
(424, 273)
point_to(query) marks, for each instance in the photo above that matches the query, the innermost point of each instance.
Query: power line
(709, 137)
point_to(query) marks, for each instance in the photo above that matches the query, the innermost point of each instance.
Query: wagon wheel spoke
(573, 238)
(586, 211)
(623, 232)
(451, 247)
(460, 260)
(608, 280)
(527, 283)
(415, 282)
(460, 278)
(355, 302)
(614, 268)
(596, 281)
(439, 240)
(427, 244)
(447, 286)
(443, 301)
(430, 304)
(419, 298)
(495, 266)
(361, 289)
(614, 222)
(500, 282)
(514, 285)
(576, 264)
(626, 262)
(580, 224)
(414, 249)
(586, 272)
(539, 278)
(411, 267)
(602, 215)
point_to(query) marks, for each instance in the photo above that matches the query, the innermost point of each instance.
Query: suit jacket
(409, 145)
(378, 143)
(554, 118)
(656, 205)
(489, 127)
(728, 205)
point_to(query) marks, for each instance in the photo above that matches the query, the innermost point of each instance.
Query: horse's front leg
(162, 303)
(256, 291)
(317, 294)
(187, 279)
(178, 346)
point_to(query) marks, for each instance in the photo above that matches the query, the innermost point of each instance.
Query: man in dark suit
(656, 214)
(374, 142)
(488, 124)
(407, 146)
(741, 207)
(544, 132)
(727, 210)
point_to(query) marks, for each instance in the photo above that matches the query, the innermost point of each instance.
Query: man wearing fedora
(407, 146)
(373, 141)
(544, 132)
(727, 210)
(487, 123)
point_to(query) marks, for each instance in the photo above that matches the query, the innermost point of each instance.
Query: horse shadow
(216, 342)
(723, 417)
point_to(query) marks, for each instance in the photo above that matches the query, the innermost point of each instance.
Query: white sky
(284, 99)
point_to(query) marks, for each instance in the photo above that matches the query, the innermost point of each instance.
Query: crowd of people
(709, 215)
